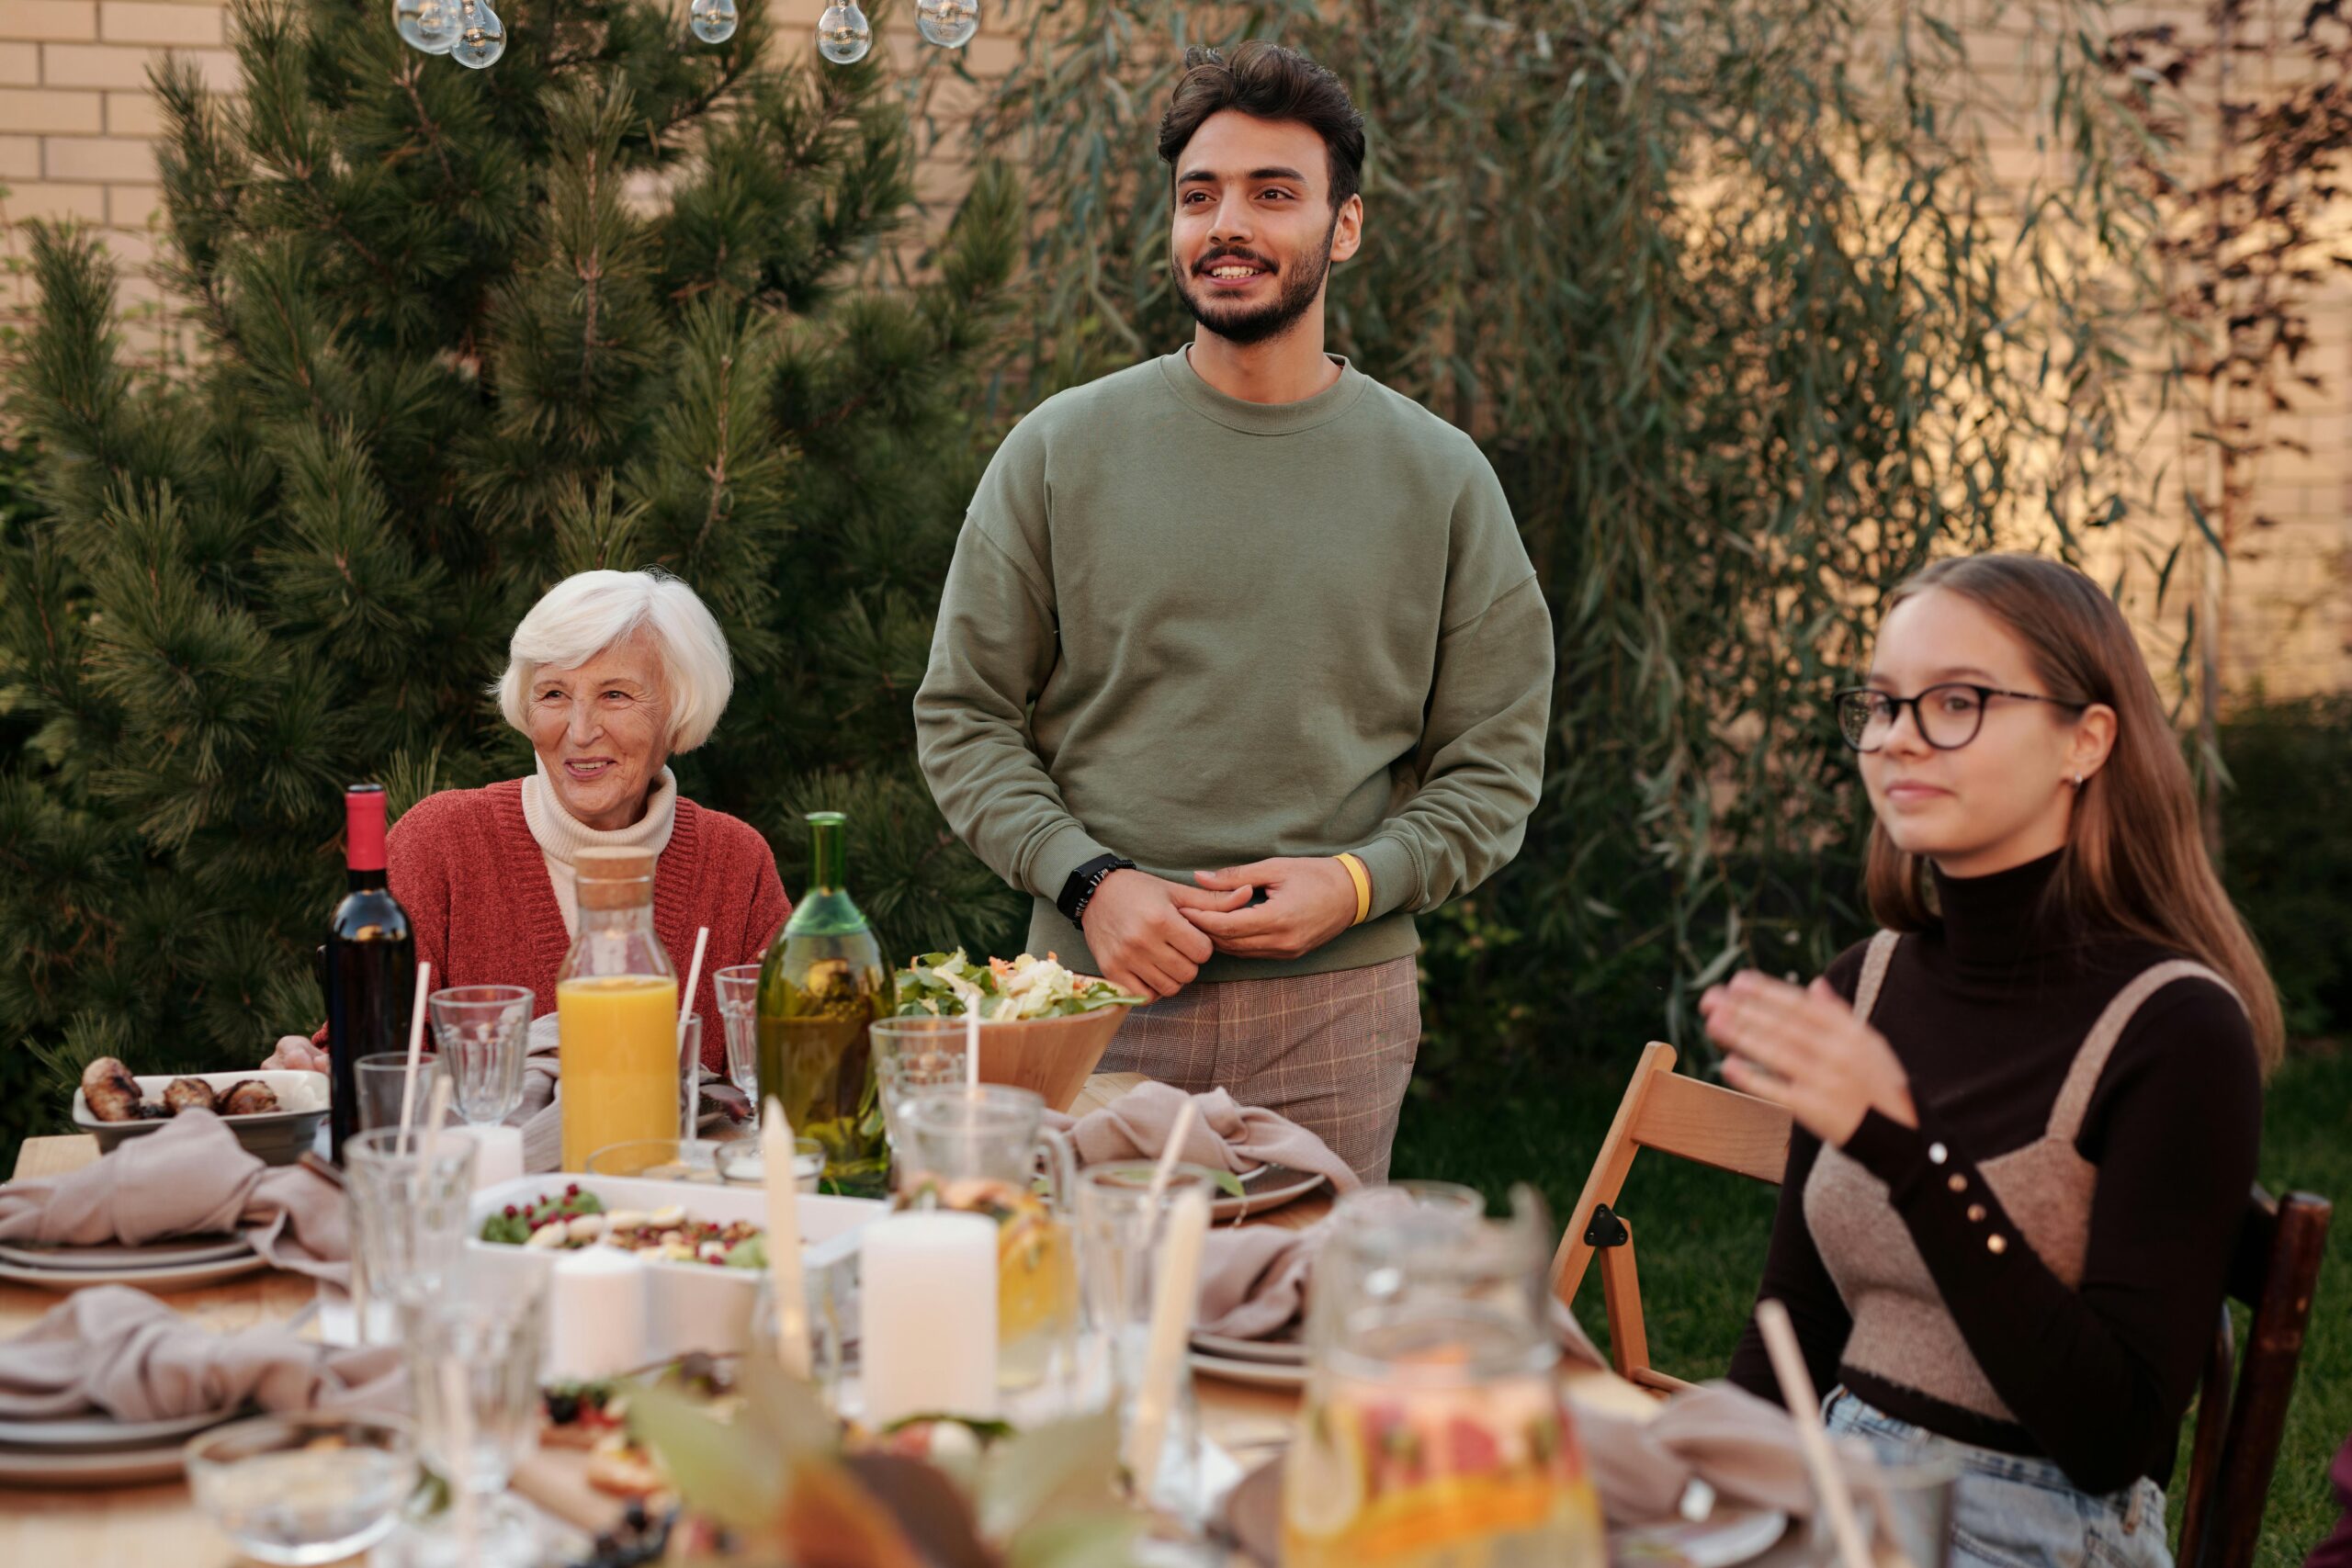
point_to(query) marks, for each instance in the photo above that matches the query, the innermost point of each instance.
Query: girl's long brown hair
(2135, 862)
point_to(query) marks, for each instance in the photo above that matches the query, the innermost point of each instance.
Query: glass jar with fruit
(1433, 1431)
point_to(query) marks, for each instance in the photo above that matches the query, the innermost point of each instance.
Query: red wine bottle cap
(363, 807)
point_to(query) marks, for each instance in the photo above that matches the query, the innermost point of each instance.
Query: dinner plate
(118, 1255)
(1730, 1537)
(177, 1277)
(92, 1433)
(1259, 1374)
(1268, 1187)
(124, 1467)
(1289, 1352)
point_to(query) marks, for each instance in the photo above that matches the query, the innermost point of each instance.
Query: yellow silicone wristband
(1363, 879)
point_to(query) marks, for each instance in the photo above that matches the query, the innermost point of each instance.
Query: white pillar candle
(498, 1153)
(596, 1316)
(927, 1315)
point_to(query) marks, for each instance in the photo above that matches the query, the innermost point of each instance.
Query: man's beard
(1294, 292)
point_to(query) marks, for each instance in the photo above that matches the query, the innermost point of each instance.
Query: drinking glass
(382, 1078)
(1121, 1225)
(477, 1338)
(977, 1151)
(743, 1163)
(306, 1487)
(690, 1076)
(409, 1216)
(912, 1054)
(739, 1014)
(484, 1035)
(1429, 1334)
(1903, 1502)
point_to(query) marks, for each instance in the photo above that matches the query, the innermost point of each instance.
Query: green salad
(943, 984)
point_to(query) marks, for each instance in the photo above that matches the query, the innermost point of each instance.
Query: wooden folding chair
(2274, 1271)
(1676, 1115)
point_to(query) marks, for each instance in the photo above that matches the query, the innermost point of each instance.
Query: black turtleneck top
(1986, 1010)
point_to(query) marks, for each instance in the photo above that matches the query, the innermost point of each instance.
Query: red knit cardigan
(474, 882)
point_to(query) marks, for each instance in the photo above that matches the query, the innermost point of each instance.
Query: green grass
(1700, 1236)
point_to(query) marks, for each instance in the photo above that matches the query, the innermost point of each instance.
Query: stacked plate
(1265, 1363)
(1266, 1187)
(181, 1263)
(96, 1450)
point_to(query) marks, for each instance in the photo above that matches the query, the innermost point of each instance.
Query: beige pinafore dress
(1902, 1332)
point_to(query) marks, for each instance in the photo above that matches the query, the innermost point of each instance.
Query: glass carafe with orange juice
(616, 1012)
(1433, 1433)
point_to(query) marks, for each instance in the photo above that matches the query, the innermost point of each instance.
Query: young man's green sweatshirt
(1197, 632)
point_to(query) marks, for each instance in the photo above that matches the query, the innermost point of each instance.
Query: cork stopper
(614, 879)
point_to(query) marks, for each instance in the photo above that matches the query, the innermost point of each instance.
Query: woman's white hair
(585, 614)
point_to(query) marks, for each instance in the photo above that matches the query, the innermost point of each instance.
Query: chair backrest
(2274, 1271)
(1664, 1110)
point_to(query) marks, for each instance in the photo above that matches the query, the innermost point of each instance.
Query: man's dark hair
(1266, 81)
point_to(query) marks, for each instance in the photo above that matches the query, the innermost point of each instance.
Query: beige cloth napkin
(1742, 1447)
(1227, 1135)
(121, 1351)
(191, 1177)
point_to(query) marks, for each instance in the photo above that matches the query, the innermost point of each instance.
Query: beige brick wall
(77, 122)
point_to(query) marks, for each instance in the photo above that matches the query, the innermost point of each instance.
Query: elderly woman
(610, 674)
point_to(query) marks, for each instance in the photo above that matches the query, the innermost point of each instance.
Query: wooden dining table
(132, 1526)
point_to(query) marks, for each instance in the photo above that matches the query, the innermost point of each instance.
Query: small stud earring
(2078, 781)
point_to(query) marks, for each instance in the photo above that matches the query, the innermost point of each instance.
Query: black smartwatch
(1078, 891)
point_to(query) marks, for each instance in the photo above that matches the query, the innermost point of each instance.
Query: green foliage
(615, 302)
(1728, 297)
(2288, 856)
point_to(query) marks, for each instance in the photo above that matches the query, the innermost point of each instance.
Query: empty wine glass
(484, 1035)
(739, 1013)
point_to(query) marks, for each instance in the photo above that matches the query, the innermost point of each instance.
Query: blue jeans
(2011, 1512)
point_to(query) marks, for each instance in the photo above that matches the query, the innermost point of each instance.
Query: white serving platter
(690, 1306)
(278, 1137)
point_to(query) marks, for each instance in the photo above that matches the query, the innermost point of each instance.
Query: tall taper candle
(783, 1241)
(1175, 1293)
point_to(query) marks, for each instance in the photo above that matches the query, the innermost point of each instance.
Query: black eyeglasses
(1947, 717)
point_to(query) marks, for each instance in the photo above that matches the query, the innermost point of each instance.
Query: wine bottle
(371, 961)
(821, 987)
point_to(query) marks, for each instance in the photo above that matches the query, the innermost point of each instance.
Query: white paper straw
(1812, 1438)
(783, 1241)
(1166, 1170)
(690, 1075)
(972, 1043)
(444, 1090)
(1176, 1287)
(415, 1049)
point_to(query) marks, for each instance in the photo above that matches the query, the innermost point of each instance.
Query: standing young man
(1242, 608)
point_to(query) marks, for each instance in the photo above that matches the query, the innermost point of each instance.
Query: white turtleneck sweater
(562, 836)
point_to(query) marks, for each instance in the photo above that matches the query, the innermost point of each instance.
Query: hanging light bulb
(427, 24)
(481, 37)
(844, 35)
(950, 24)
(712, 21)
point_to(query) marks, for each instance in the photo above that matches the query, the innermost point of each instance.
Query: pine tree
(622, 299)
